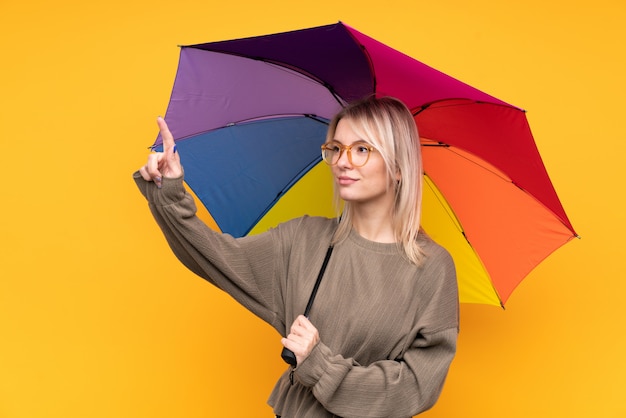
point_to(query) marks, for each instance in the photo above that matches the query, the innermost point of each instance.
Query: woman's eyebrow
(358, 141)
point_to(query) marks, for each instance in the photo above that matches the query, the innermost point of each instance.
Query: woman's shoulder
(432, 249)
(311, 224)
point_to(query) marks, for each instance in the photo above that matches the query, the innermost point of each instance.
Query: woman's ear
(398, 176)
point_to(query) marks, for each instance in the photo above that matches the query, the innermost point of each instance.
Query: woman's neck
(374, 225)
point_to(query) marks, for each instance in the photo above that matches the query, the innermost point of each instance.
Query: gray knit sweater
(388, 329)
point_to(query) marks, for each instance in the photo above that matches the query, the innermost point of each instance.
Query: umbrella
(249, 116)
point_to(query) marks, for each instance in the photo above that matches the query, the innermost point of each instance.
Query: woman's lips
(345, 181)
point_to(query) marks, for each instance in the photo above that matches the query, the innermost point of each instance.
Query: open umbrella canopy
(249, 116)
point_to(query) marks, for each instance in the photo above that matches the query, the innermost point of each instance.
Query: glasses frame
(348, 148)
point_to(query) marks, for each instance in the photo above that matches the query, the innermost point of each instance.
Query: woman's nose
(344, 158)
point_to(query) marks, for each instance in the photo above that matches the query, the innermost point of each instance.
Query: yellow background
(98, 319)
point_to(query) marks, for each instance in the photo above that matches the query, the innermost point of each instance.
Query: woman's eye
(362, 149)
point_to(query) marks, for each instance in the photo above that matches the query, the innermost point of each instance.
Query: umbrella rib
(501, 175)
(450, 212)
(268, 61)
(304, 74)
(467, 102)
(282, 192)
(253, 119)
(451, 148)
(496, 173)
(431, 184)
(368, 58)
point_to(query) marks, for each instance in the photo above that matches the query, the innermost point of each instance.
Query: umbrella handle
(287, 354)
(289, 357)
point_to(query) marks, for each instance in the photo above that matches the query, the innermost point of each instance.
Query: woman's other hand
(302, 339)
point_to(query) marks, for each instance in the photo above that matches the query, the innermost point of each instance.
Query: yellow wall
(97, 318)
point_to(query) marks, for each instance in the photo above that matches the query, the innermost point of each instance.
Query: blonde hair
(388, 125)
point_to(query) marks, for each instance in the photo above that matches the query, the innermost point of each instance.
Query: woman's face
(368, 184)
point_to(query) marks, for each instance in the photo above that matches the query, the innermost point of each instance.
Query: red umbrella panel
(250, 115)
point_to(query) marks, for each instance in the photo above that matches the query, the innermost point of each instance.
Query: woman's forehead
(347, 132)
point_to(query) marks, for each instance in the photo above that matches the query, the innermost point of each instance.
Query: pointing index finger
(166, 135)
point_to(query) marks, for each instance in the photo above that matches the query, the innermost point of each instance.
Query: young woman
(382, 333)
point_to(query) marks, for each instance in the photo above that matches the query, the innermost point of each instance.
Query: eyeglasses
(358, 153)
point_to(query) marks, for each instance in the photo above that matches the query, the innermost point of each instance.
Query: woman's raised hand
(165, 163)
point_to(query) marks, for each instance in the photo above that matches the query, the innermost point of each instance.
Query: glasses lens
(330, 153)
(359, 155)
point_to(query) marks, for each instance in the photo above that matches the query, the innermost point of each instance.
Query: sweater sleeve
(391, 388)
(244, 267)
